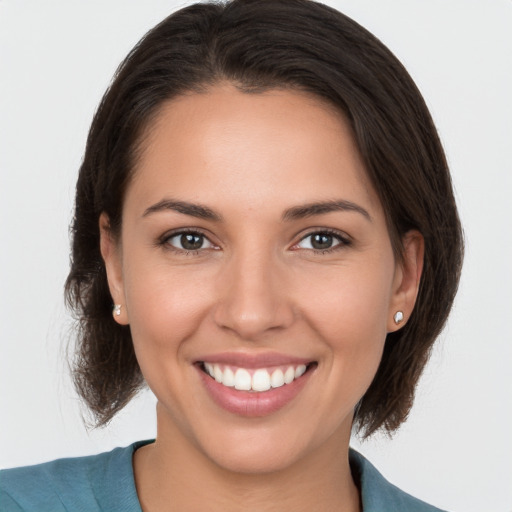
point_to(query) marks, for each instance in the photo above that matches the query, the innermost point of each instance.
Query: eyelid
(344, 239)
(164, 239)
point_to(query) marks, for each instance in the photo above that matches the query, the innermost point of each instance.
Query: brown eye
(322, 241)
(189, 241)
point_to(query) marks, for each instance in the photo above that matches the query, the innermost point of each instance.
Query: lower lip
(253, 404)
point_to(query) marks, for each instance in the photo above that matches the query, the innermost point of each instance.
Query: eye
(189, 241)
(322, 241)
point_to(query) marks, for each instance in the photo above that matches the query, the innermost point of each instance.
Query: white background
(56, 59)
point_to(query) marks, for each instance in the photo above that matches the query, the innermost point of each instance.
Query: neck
(173, 475)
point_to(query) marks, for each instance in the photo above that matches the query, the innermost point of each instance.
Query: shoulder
(97, 482)
(380, 495)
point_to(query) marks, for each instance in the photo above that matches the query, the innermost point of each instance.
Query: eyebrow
(294, 213)
(311, 209)
(192, 209)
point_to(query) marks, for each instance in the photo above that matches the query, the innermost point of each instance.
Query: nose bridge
(252, 296)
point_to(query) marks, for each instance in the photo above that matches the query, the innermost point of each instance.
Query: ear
(407, 278)
(111, 253)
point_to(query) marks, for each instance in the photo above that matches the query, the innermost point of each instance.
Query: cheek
(350, 315)
(355, 332)
(350, 306)
(165, 309)
(163, 300)
(164, 312)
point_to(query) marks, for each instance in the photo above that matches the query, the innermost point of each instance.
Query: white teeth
(289, 375)
(217, 373)
(300, 370)
(209, 368)
(242, 380)
(277, 379)
(229, 378)
(261, 380)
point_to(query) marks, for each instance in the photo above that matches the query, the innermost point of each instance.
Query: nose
(253, 297)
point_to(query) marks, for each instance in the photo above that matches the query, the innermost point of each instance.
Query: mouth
(254, 386)
(255, 380)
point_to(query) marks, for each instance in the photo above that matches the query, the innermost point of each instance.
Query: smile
(254, 385)
(257, 380)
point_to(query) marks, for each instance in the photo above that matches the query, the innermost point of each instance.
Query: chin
(271, 446)
(263, 457)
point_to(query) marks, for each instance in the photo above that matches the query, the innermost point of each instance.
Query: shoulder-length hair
(258, 45)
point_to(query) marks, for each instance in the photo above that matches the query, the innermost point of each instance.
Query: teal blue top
(105, 482)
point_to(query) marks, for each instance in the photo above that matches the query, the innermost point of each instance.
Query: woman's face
(256, 273)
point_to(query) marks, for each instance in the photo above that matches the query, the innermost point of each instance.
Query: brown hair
(257, 45)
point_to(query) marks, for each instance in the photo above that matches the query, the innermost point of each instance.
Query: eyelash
(343, 240)
(164, 242)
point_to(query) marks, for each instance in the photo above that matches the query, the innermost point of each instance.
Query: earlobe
(407, 280)
(109, 248)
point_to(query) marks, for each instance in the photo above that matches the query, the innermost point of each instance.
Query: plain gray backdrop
(56, 59)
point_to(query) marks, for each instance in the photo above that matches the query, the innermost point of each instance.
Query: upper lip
(253, 360)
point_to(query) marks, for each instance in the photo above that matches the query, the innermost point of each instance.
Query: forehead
(256, 149)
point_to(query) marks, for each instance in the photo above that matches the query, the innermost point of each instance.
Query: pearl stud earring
(117, 309)
(398, 317)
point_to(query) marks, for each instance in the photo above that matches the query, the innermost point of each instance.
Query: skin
(256, 286)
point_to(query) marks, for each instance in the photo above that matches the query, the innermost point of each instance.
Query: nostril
(250, 317)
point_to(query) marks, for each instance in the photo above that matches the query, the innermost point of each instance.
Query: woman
(265, 233)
